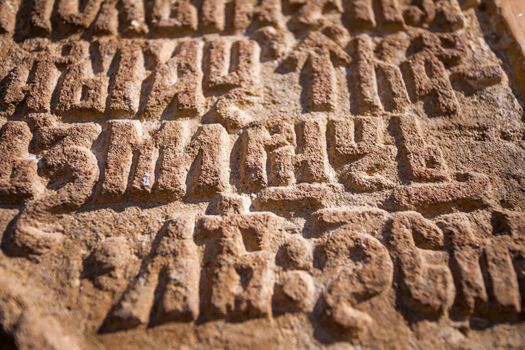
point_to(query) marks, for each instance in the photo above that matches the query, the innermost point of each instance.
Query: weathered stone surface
(262, 173)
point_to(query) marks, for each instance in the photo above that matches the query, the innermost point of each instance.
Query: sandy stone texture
(263, 174)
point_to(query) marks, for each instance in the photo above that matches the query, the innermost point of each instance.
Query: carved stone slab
(262, 173)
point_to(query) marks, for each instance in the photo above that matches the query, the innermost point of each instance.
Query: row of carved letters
(364, 252)
(155, 163)
(165, 17)
(118, 84)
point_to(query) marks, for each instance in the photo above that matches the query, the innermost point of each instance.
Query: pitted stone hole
(85, 93)
(66, 50)
(500, 225)
(447, 42)
(431, 162)
(7, 341)
(245, 275)
(356, 254)
(462, 177)
(250, 240)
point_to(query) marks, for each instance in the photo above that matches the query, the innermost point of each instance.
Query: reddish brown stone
(262, 174)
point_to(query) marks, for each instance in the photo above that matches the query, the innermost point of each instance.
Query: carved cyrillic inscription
(465, 266)
(232, 267)
(443, 14)
(367, 273)
(271, 145)
(427, 290)
(318, 56)
(175, 159)
(428, 74)
(424, 162)
(185, 78)
(127, 80)
(163, 160)
(235, 70)
(178, 78)
(241, 171)
(220, 74)
(368, 72)
(436, 62)
(31, 85)
(71, 169)
(236, 253)
(488, 271)
(70, 13)
(294, 154)
(174, 18)
(81, 92)
(362, 16)
(134, 17)
(124, 86)
(124, 141)
(172, 265)
(17, 168)
(359, 153)
(384, 76)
